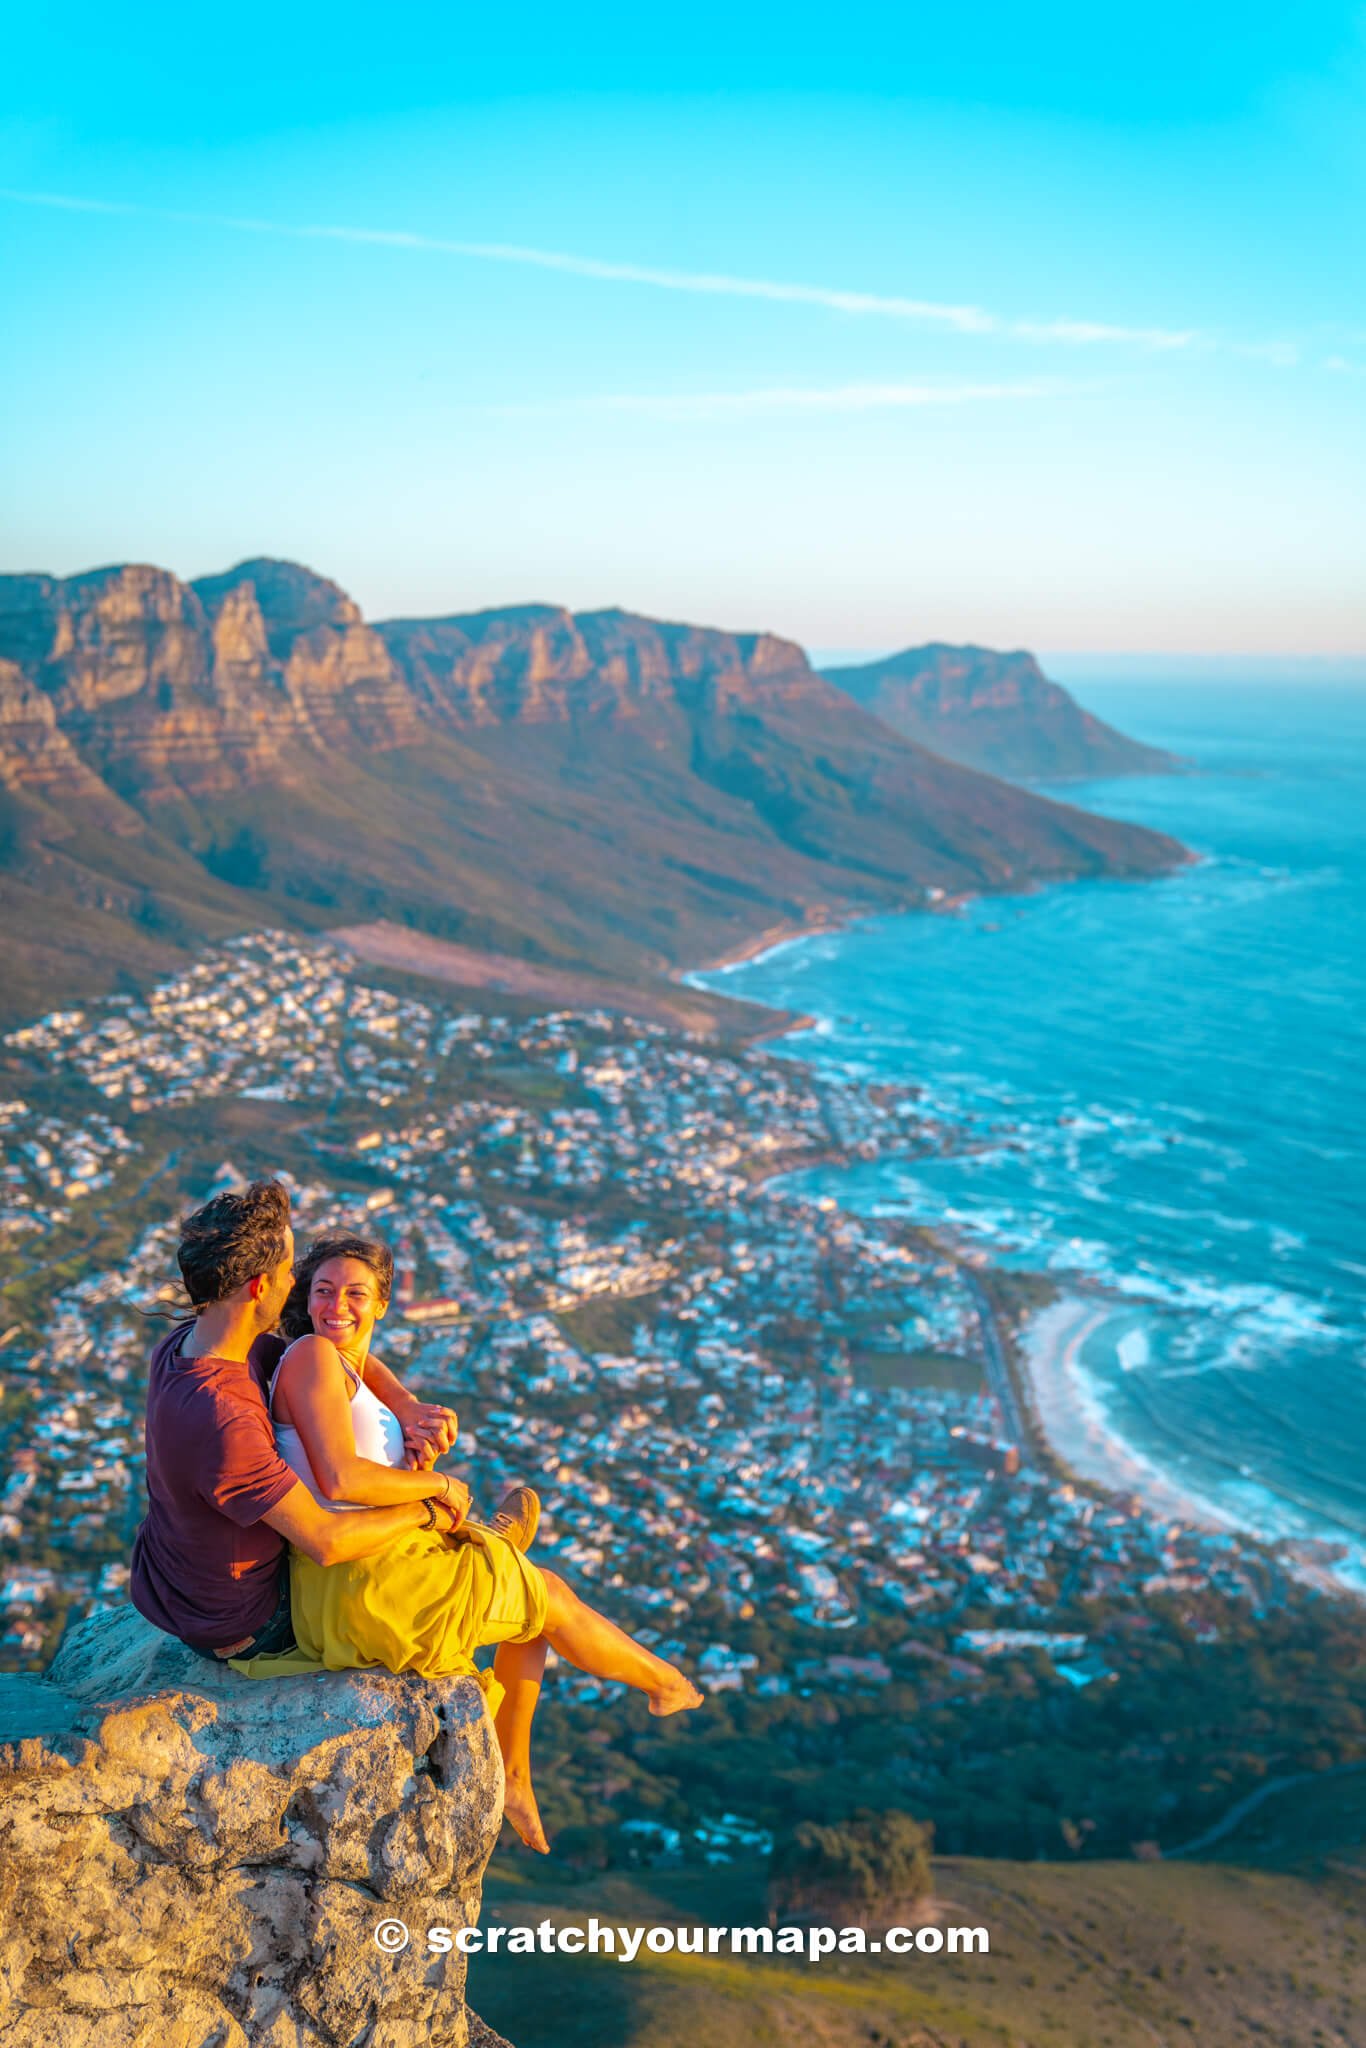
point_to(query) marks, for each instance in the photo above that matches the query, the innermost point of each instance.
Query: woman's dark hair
(294, 1317)
(232, 1239)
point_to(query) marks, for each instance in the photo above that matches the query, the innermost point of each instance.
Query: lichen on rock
(191, 1859)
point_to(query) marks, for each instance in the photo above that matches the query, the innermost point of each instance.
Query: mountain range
(594, 791)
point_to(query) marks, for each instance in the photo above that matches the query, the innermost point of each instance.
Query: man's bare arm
(359, 1532)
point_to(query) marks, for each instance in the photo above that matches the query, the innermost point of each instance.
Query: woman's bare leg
(518, 1667)
(587, 1639)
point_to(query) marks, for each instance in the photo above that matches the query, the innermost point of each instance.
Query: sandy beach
(770, 940)
(791, 932)
(1069, 1414)
(1071, 1417)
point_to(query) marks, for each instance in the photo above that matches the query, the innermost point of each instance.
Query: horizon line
(834, 655)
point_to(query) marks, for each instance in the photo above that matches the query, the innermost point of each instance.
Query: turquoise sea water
(1160, 1086)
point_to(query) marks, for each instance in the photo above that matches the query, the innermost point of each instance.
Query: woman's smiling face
(344, 1304)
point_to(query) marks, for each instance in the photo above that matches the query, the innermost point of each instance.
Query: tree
(869, 1861)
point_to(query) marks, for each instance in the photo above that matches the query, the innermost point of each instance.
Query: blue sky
(867, 326)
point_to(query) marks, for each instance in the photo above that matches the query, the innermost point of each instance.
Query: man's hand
(429, 1431)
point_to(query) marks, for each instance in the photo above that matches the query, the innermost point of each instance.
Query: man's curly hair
(231, 1240)
(295, 1320)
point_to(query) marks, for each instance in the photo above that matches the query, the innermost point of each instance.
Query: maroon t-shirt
(206, 1567)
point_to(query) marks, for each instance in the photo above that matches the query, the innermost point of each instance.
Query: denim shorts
(275, 1634)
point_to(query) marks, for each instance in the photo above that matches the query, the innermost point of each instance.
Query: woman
(434, 1597)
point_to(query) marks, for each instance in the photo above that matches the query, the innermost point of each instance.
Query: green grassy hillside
(1098, 1955)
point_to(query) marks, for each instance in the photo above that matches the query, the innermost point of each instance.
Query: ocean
(1157, 1094)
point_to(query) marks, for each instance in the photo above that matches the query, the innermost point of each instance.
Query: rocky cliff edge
(189, 1859)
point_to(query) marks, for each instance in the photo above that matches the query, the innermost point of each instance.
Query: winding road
(1249, 1804)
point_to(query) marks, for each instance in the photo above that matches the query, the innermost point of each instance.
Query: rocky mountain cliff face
(166, 689)
(188, 1856)
(37, 757)
(996, 712)
(538, 665)
(163, 690)
(596, 790)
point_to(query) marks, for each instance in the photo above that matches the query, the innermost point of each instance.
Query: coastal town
(719, 1389)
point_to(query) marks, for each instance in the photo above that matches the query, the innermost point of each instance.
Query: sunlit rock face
(168, 690)
(190, 1857)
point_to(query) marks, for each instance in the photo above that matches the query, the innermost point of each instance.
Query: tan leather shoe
(518, 1516)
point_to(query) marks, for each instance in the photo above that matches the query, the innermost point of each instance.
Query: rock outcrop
(997, 712)
(189, 1858)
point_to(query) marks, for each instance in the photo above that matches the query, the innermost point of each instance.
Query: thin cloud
(963, 319)
(71, 205)
(840, 398)
(1087, 333)
(1282, 355)
(967, 319)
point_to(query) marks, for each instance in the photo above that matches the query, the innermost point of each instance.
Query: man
(209, 1561)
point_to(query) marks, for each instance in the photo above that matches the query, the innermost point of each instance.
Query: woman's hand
(453, 1506)
(429, 1431)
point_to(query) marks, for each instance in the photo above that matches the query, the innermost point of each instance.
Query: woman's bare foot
(676, 1693)
(519, 1807)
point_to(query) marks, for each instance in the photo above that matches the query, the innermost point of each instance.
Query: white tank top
(376, 1428)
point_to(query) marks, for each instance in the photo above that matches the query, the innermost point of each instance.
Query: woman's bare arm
(429, 1429)
(317, 1402)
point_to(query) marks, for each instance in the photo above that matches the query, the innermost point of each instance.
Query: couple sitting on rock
(295, 1519)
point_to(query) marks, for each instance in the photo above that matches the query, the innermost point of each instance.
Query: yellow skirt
(424, 1605)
